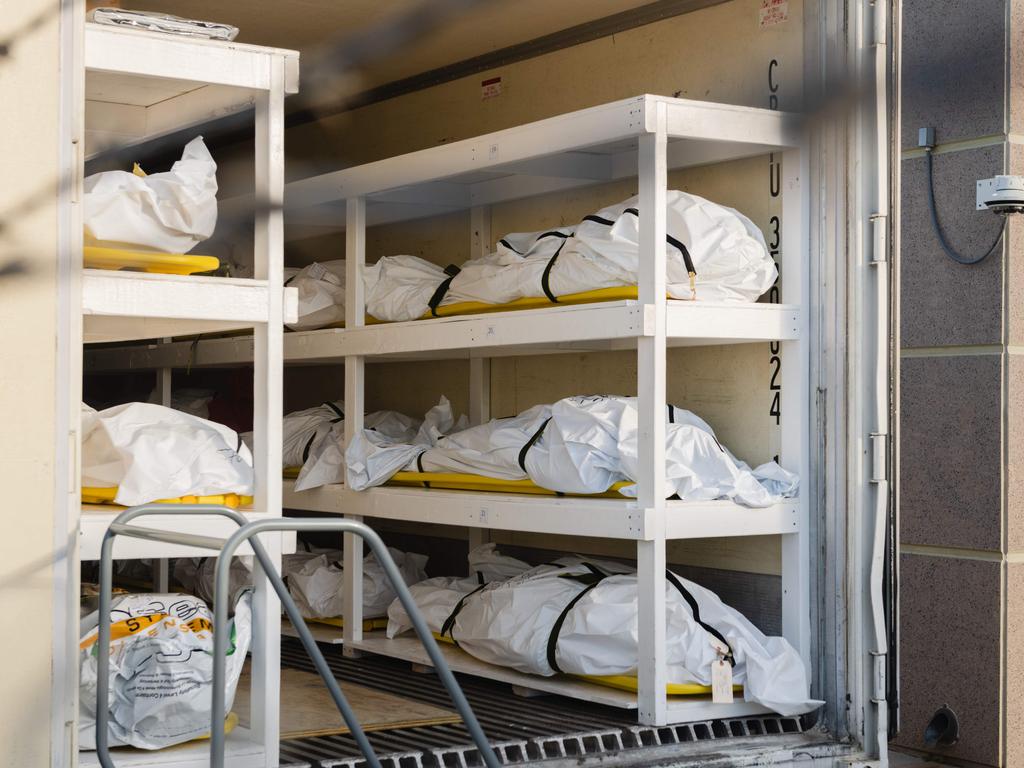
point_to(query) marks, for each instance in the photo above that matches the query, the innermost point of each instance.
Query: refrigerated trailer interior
(340, 134)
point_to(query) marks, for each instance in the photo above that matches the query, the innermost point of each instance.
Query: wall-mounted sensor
(1001, 194)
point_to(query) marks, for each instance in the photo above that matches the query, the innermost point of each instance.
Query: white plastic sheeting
(583, 445)
(727, 252)
(725, 249)
(321, 289)
(314, 579)
(381, 455)
(511, 623)
(161, 669)
(151, 452)
(316, 586)
(437, 597)
(170, 212)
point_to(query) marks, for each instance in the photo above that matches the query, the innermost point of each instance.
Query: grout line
(959, 351)
(963, 145)
(958, 553)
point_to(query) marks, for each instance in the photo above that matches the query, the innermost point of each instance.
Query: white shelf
(240, 751)
(589, 146)
(96, 518)
(556, 330)
(569, 516)
(681, 708)
(141, 85)
(120, 306)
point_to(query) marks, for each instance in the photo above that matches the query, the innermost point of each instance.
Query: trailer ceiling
(303, 24)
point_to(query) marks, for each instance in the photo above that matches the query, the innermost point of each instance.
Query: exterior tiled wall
(961, 427)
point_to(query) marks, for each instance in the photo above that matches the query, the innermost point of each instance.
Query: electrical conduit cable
(950, 251)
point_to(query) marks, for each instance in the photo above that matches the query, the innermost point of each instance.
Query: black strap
(677, 244)
(449, 623)
(309, 444)
(545, 278)
(530, 442)
(340, 413)
(419, 466)
(591, 580)
(695, 610)
(552, 233)
(435, 301)
(671, 414)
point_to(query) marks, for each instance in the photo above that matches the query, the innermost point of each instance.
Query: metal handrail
(227, 548)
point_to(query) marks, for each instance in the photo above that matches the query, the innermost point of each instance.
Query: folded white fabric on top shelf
(151, 452)
(579, 616)
(163, 22)
(580, 445)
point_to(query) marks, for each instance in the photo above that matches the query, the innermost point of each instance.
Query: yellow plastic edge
(627, 682)
(339, 621)
(107, 496)
(457, 481)
(99, 257)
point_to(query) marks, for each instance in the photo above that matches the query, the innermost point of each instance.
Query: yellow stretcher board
(107, 495)
(369, 625)
(618, 293)
(458, 481)
(461, 481)
(96, 257)
(627, 682)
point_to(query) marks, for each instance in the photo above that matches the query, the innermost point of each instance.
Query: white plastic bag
(161, 669)
(513, 623)
(151, 452)
(321, 287)
(317, 585)
(171, 212)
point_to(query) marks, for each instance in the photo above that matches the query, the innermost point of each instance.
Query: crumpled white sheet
(170, 212)
(509, 623)
(317, 585)
(380, 455)
(161, 674)
(326, 461)
(587, 445)
(321, 288)
(151, 452)
(314, 579)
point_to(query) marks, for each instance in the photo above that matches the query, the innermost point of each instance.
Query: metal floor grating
(523, 730)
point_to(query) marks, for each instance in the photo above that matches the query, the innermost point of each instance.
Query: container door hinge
(879, 444)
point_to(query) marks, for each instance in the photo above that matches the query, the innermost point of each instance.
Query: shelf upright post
(355, 406)
(795, 400)
(479, 367)
(268, 339)
(164, 387)
(652, 671)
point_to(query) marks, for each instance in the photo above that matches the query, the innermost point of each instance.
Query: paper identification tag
(721, 682)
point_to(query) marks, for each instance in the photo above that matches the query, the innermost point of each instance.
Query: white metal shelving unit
(641, 137)
(139, 86)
